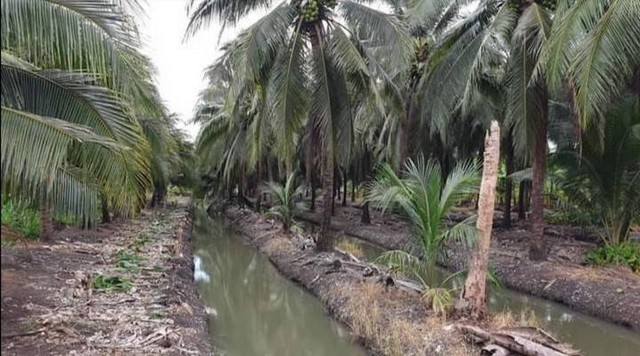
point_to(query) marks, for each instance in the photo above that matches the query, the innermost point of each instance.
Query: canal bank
(386, 315)
(607, 293)
(593, 336)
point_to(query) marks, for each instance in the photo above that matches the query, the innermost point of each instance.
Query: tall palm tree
(511, 34)
(309, 55)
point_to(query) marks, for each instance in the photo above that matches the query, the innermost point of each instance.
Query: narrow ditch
(253, 309)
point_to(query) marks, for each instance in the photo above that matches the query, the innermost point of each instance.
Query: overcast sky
(180, 65)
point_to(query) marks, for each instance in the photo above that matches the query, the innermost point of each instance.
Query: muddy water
(253, 309)
(594, 337)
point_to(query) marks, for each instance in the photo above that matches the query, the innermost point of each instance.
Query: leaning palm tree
(309, 55)
(426, 199)
(69, 139)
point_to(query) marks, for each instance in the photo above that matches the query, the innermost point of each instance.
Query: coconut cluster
(310, 10)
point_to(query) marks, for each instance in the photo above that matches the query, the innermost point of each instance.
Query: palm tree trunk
(258, 182)
(344, 187)
(522, 214)
(157, 197)
(407, 123)
(325, 240)
(537, 245)
(337, 181)
(335, 189)
(473, 297)
(353, 186)
(46, 224)
(106, 217)
(313, 196)
(366, 216)
(508, 184)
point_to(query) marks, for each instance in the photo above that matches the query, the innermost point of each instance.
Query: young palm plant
(286, 206)
(426, 199)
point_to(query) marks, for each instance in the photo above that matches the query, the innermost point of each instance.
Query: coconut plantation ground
(475, 149)
(123, 289)
(609, 292)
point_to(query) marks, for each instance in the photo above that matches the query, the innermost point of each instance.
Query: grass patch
(394, 323)
(108, 284)
(142, 240)
(278, 245)
(506, 319)
(157, 315)
(128, 261)
(626, 254)
(21, 218)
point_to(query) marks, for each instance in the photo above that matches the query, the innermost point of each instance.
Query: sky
(180, 65)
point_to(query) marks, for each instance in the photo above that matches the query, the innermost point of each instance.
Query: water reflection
(257, 311)
(198, 273)
(594, 337)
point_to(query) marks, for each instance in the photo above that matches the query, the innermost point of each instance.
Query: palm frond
(71, 97)
(380, 29)
(403, 262)
(288, 94)
(226, 11)
(92, 36)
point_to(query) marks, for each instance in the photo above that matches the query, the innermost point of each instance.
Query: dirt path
(54, 301)
(609, 293)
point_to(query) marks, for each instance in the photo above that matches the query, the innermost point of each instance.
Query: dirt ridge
(609, 294)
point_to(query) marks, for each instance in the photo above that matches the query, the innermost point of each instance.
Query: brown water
(253, 309)
(594, 337)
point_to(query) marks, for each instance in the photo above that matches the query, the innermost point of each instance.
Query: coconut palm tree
(425, 198)
(69, 139)
(309, 55)
(604, 178)
(510, 34)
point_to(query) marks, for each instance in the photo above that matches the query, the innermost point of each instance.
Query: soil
(50, 304)
(611, 293)
(388, 319)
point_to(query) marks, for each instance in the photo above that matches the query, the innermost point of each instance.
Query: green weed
(20, 218)
(627, 254)
(127, 261)
(107, 284)
(157, 315)
(140, 242)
